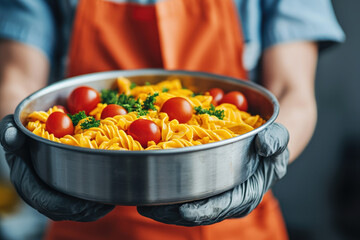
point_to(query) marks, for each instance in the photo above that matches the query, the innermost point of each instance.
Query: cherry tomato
(143, 131)
(236, 98)
(112, 110)
(83, 99)
(63, 108)
(217, 95)
(59, 124)
(178, 108)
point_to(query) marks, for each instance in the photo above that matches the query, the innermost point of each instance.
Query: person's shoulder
(29, 22)
(298, 20)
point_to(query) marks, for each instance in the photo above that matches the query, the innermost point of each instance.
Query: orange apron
(201, 35)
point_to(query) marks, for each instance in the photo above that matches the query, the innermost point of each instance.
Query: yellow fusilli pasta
(112, 134)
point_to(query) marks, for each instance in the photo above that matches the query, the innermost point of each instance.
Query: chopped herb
(77, 117)
(220, 114)
(132, 85)
(147, 84)
(109, 96)
(142, 112)
(149, 102)
(196, 94)
(165, 89)
(129, 102)
(89, 123)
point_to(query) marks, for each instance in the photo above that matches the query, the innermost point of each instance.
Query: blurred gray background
(320, 194)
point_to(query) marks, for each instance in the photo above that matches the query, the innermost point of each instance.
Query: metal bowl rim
(141, 72)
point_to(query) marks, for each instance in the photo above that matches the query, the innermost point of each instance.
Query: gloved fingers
(91, 212)
(49, 202)
(196, 213)
(202, 212)
(208, 211)
(238, 202)
(275, 168)
(11, 138)
(168, 214)
(58, 207)
(281, 163)
(272, 140)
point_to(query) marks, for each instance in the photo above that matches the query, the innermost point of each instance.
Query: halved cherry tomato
(236, 98)
(178, 108)
(217, 95)
(59, 124)
(63, 108)
(83, 99)
(143, 131)
(112, 110)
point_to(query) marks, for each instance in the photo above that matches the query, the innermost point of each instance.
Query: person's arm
(23, 70)
(288, 71)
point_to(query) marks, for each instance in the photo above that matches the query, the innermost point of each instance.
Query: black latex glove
(271, 147)
(33, 191)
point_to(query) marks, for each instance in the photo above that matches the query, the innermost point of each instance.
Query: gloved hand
(33, 191)
(271, 147)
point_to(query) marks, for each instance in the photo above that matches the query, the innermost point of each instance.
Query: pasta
(112, 132)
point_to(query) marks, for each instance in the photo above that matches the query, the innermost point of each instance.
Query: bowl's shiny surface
(146, 177)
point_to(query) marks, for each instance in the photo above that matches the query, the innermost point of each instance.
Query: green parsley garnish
(165, 89)
(129, 102)
(149, 102)
(147, 84)
(109, 96)
(132, 85)
(142, 113)
(89, 123)
(195, 94)
(220, 114)
(77, 117)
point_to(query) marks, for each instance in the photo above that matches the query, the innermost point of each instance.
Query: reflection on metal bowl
(146, 177)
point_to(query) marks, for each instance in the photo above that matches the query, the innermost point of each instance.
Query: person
(273, 41)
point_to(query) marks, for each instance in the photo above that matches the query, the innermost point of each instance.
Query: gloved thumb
(11, 138)
(272, 141)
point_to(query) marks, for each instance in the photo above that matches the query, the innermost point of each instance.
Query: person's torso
(201, 35)
(248, 11)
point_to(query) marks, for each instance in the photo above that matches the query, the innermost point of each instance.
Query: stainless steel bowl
(145, 177)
